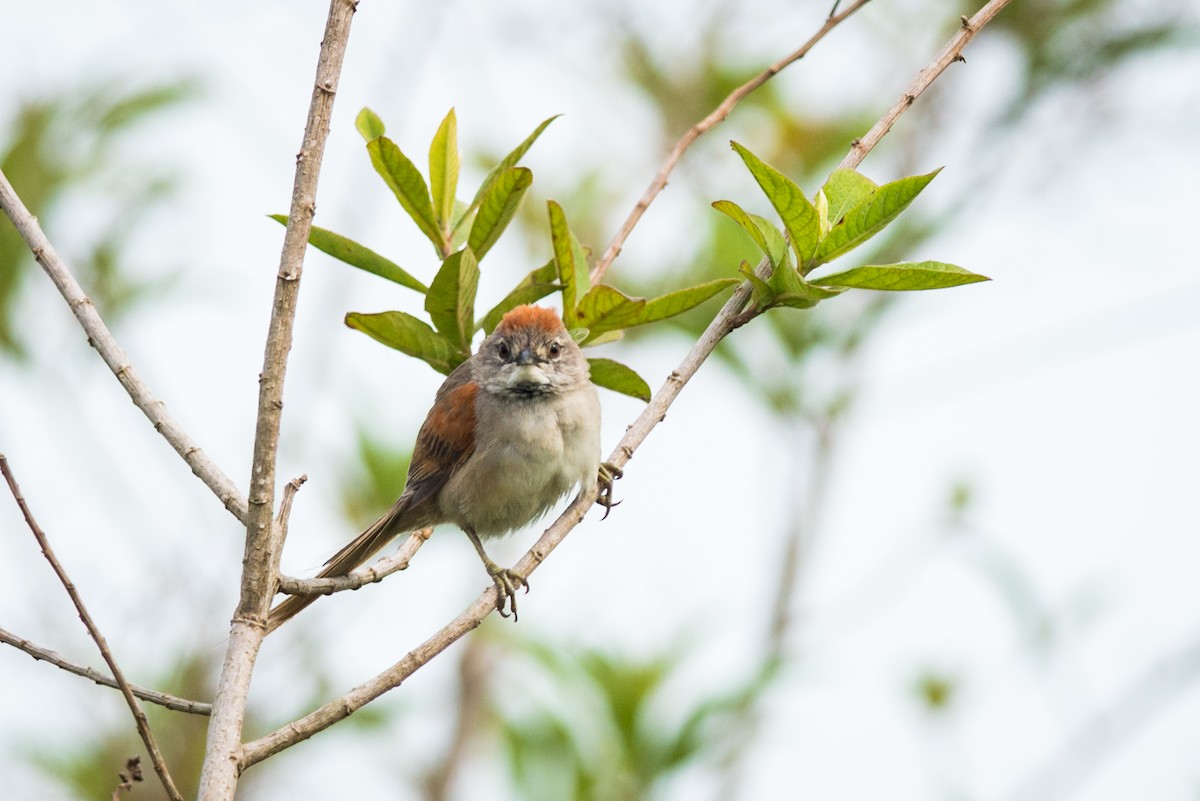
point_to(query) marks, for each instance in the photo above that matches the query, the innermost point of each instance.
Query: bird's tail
(362, 548)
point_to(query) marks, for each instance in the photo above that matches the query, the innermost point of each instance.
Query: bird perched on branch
(512, 430)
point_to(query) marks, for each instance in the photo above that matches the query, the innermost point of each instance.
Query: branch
(377, 571)
(285, 506)
(100, 338)
(260, 565)
(56, 659)
(139, 716)
(950, 53)
(699, 129)
(732, 315)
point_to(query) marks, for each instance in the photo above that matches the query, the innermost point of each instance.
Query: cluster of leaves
(69, 147)
(847, 211)
(601, 731)
(462, 234)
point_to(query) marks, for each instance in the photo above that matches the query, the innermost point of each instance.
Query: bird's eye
(503, 351)
(555, 350)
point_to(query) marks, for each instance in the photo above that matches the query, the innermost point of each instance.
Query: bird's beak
(525, 357)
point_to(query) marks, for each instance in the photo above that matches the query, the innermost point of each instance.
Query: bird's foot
(609, 473)
(507, 583)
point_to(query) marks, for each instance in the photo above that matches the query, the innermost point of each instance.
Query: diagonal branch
(54, 658)
(949, 54)
(718, 115)
(139, 716)
(264, 537)
(733, 314)
(100, 338)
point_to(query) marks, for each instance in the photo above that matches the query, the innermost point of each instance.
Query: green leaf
(505, 163)
(763, 293)
(356, 255)
(904, 276)
(443, 171)
(870, 215)
(619, 378)
(845, 189)
(605, 309)
(497, 208)
(799, 216)
(682, 300)
(570, 261)
(409, 335)
(790, 289)
(368, 124)
(450, 301)
(533, 287)
(740, 216)
(405, 181)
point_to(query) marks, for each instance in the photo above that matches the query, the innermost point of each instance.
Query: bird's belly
(512, 483)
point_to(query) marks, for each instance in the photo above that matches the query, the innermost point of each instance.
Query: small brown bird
(512, 430)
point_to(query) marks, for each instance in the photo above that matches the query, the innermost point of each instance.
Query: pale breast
(528, 456)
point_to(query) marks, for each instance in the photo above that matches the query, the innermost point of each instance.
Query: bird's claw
(506, 582)
(609, 473)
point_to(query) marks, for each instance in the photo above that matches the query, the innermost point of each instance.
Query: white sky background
(1064, 391)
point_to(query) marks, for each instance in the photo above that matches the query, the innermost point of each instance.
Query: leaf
(570, 261)
(619, 378)
(409, 335)
(763, 294)
(869, 216)
(508, 161)
(682, 300)
(800, 217)
(356, 255)
(904, 276)
(450, 301)
(790, 289)
(368, 124)
(605, 308)
(497, 208)
(845, 189)
(533, 287)
(443, 170)
(739, 215)
(409, 187)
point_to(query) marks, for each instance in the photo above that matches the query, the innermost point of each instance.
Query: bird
(512, 430)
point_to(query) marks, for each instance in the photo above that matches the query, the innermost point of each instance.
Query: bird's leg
(506, 580)
(609, 473)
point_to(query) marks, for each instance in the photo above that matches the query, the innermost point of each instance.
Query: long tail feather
(362, 548)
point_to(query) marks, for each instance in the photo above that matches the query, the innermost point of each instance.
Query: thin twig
(950, 53)
(54, 658)
(100, 338)
(376, 571)
(285, 507)
(219, 775)
(699, 129)
(733, 314)
(139, 716)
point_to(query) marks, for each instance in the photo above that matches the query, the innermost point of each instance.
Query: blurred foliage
(936, 691)
(67, 147)
(87, 766)
(600, 729)
(372, 477)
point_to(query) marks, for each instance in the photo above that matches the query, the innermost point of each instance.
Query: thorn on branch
(966, 23)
